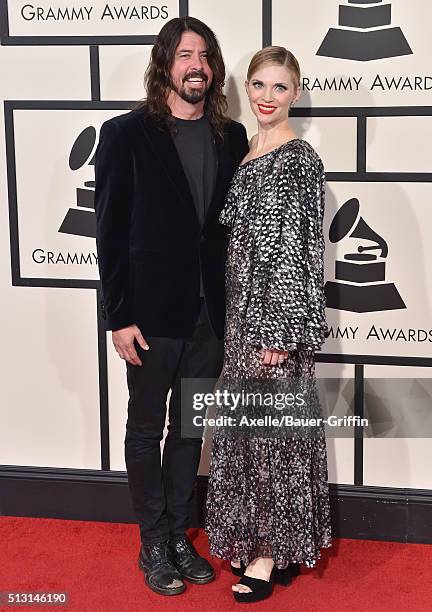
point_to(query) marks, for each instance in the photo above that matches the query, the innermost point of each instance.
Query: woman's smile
(266, 109)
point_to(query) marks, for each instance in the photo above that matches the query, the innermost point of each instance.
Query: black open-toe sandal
(259, 589)
(238, 571)
(282, 576)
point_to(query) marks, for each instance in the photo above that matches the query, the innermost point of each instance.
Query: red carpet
(96, 564)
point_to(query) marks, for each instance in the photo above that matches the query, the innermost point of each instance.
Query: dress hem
(280, 563)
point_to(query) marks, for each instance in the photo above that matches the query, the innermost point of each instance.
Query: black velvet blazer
(148, 237)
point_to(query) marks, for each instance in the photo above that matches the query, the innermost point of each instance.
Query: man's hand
(123, 340)
(272, 356)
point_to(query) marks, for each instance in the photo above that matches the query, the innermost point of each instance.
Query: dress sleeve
(314, 203)
(240, 149)
(293, 306)
(229, 211)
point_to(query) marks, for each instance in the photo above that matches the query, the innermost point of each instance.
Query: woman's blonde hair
(275, 55)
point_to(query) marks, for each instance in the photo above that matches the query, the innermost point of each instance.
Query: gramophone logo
(81, 221)
(365, 33)
(360, 284)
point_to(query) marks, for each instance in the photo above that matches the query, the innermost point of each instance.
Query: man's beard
(193, 96)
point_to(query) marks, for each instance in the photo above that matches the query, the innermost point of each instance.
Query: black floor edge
(358, 512)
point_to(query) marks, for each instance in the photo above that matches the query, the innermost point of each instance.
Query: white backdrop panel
(334, 138)
(122, 71)
(409, 139)
(398, 461)
(118, 401)
(50, 387)
(45, 73)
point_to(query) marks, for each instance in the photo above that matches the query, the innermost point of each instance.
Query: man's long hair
(157, 79)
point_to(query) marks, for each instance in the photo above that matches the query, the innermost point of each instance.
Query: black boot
(160, 574)
(191, 566)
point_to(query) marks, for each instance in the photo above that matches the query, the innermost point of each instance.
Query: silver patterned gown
(269, 496)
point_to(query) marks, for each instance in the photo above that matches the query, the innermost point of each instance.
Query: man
(162, 173)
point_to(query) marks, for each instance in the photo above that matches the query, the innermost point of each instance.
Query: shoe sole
(243, 597)
(168, 592)
(198, 580)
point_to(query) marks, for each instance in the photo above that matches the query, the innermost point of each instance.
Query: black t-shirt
(195, 145)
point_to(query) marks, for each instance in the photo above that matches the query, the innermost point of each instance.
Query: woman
(268, 504)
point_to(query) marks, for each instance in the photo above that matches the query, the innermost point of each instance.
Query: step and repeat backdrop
(366, 106)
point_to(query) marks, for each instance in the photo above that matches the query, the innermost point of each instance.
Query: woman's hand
(273, 356)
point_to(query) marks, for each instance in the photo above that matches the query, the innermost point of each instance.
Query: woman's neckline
(268, 152)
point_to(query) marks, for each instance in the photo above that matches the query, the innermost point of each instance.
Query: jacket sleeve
(113, 202)
(293, 307)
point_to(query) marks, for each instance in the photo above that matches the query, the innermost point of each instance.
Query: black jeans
(161, 495)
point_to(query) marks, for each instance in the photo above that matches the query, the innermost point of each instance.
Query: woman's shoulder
(299, 153)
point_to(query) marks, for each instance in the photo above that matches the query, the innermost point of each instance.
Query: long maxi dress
(269, 496)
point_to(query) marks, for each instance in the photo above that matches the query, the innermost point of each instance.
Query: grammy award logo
(370, 35)
(81, 221)
(360, 278)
